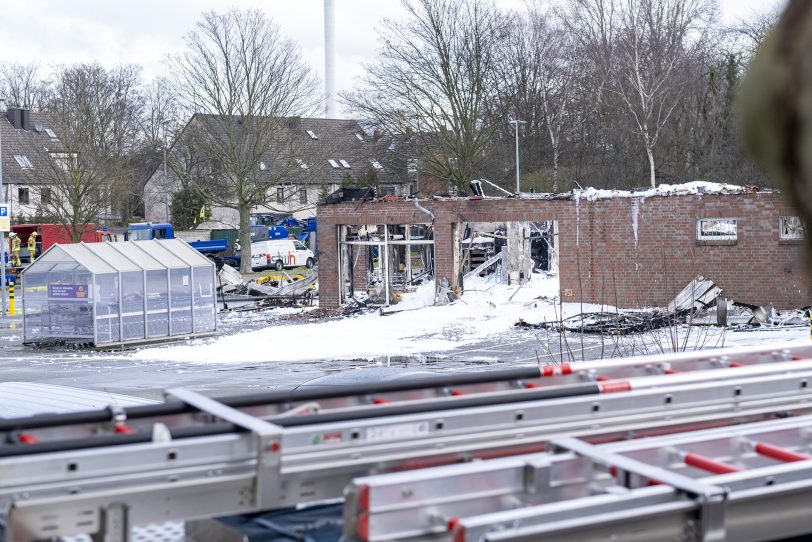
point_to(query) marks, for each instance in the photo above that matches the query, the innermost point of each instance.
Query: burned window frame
(784, 235)
(703, 237)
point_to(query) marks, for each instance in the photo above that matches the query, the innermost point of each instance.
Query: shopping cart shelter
(116, 294)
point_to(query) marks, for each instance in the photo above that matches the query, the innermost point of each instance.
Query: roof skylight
(24, 162)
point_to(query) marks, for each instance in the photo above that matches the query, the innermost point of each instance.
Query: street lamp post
(166, 178)
(516, 123)
(2, 234)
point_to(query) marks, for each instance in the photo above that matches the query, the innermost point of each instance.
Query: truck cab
(144, 231)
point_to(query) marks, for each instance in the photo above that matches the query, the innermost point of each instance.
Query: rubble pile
(699, 303)
(271, 290)
(607, 323)
(320, 313)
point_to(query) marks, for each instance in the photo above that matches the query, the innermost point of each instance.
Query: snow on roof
(695, 187)
(594, 194)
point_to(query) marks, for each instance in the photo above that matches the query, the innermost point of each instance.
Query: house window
(716, 229)
(50, 133)
(790, 228)
(280, 194)
(262, 166)
(303, 195)
(312, 134)
(301, 163)
(390, 190)
(411, 165)
(345, 164)
(375, 163)
(24, 162)
(64, 159)
(359, 136)
(333, 163)
(22, 196)
(45, 196)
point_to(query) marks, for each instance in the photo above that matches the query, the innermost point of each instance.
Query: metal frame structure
(130, 292)
(194, 457)
(384, 248)
(749, 482)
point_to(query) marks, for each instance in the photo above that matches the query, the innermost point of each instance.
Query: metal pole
(330, 105)
(166, 181)
(2, 235)
(385, 266)
(516, 123)
(518, 188)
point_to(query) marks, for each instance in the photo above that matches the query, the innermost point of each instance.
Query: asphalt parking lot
(115, 371)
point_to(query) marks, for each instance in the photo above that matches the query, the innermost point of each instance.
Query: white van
(280, 253)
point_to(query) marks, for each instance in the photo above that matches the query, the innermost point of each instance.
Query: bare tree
(653, 47)
(591, 27)
(161, 114)
(94, 113)
(554, 48)
(241, 79)
(751, 31)
(21, 85)
(159, 123)
(536, 84)
(432, 81)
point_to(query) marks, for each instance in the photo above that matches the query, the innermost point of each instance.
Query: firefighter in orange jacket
(32, 247)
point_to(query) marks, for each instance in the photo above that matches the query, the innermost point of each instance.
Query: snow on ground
(486, 309)
(755, 336)
(486, 312)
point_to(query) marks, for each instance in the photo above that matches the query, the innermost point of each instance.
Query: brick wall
(600, 259)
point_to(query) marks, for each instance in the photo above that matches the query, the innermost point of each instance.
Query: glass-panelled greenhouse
(112, 294)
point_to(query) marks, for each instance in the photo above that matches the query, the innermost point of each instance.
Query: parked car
(280, 253)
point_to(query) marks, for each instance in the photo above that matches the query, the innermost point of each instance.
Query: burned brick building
(623, 249)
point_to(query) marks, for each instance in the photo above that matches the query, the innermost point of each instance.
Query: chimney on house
(376, 135)
(25, 115)
(15, 117)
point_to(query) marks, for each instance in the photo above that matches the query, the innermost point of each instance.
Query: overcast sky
(143, 32)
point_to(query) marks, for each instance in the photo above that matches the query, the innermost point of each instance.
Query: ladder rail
(176, 414)
(553, 494)
(54, 438)
(109, 471)
(88, 464)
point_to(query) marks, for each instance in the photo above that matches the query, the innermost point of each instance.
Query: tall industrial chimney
(330, 105)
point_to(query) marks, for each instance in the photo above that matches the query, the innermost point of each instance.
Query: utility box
(116, 294)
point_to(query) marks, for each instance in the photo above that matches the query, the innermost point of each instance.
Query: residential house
(26, 138)
(318, 157)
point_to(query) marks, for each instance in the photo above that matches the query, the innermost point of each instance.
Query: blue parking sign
(5, 218)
